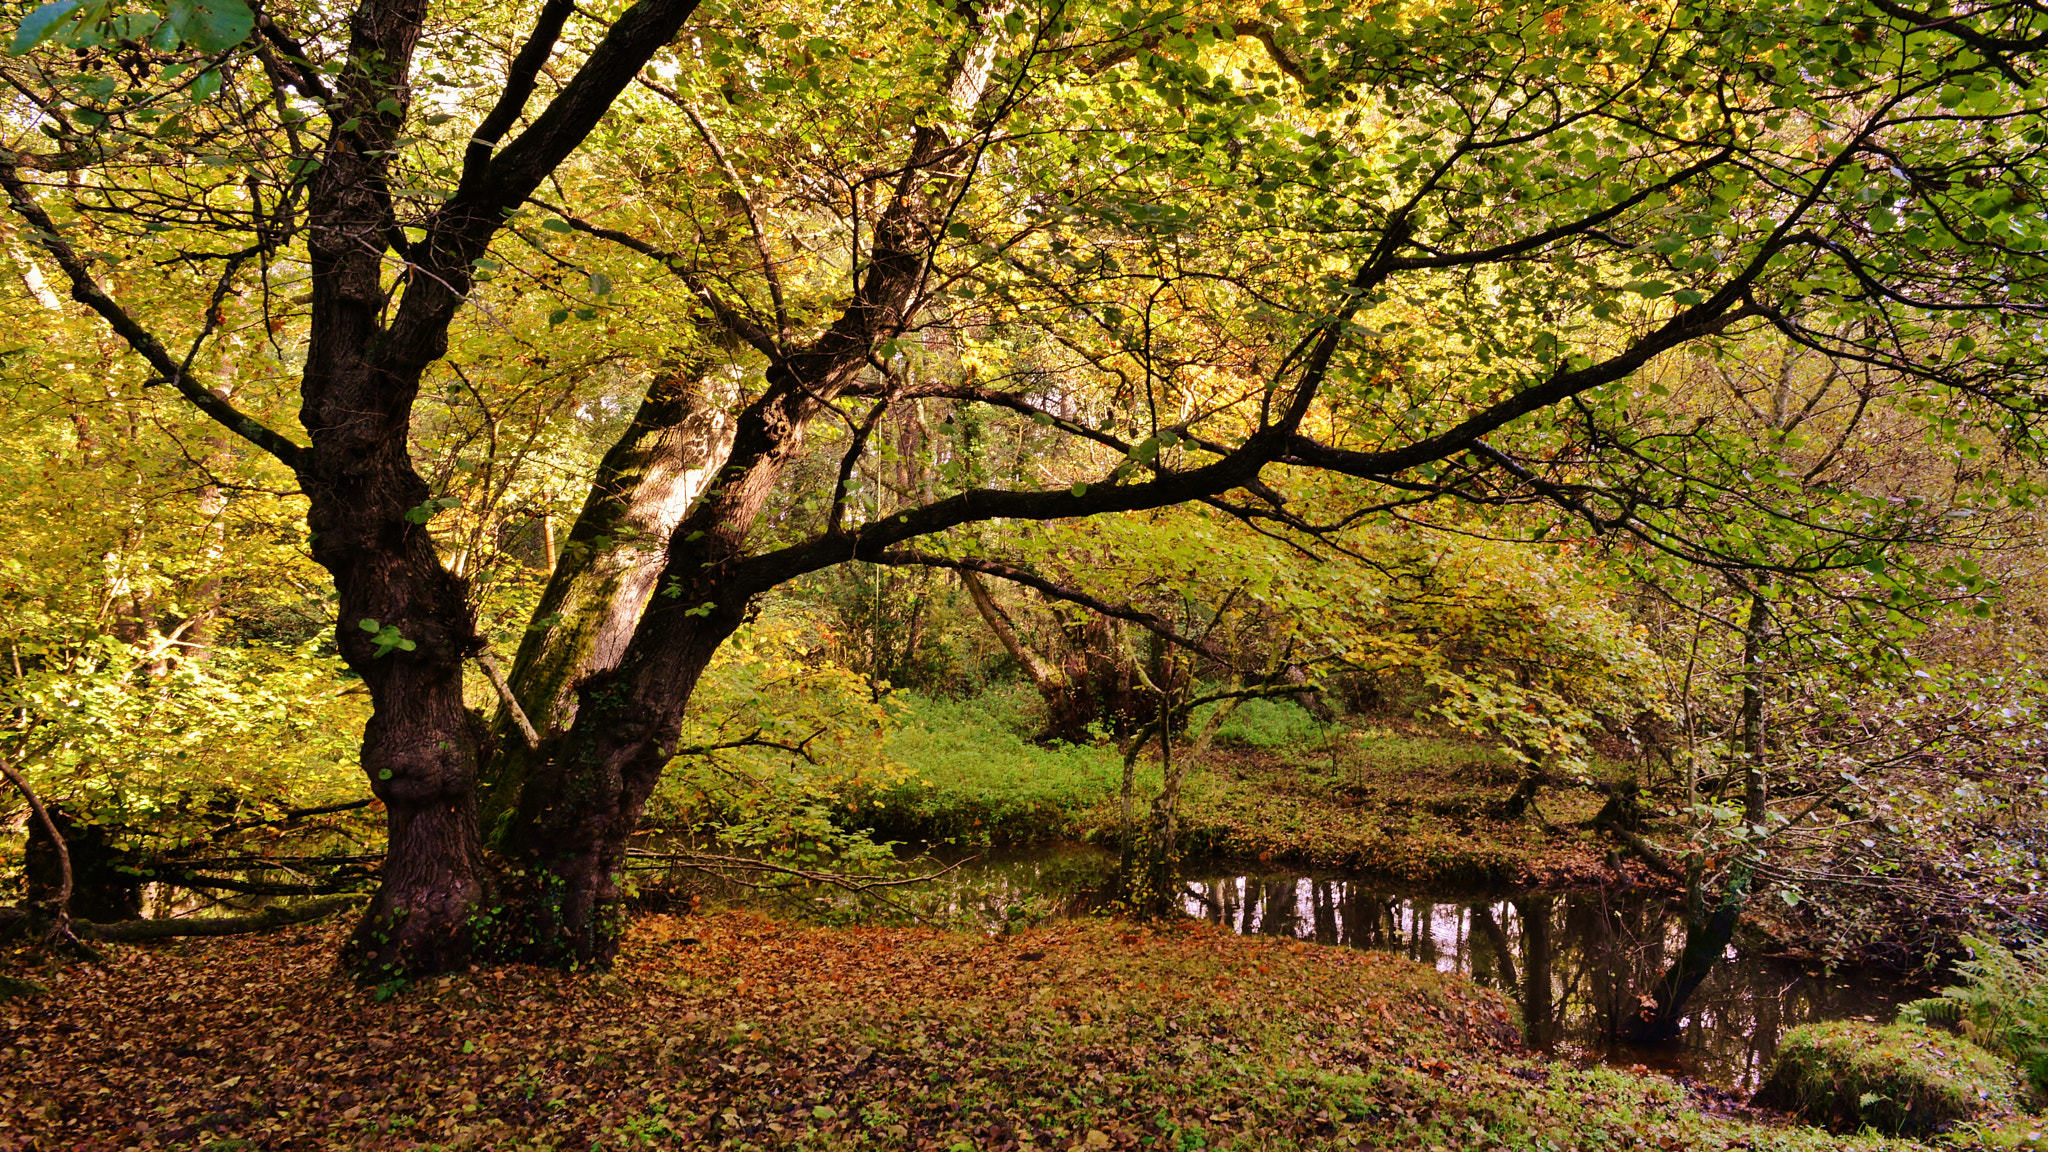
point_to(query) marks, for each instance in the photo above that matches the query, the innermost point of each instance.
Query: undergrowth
(1400, 801)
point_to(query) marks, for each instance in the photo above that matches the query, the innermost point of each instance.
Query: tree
(1205, 251)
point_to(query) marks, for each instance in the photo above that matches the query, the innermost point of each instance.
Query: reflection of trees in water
(1575, 965)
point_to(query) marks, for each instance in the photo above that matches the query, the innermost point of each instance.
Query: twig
(488, 661)
(60, 927)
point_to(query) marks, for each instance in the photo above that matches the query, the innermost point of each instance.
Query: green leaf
(1080, 488)
(205, 84)
(556, 224)
(558, 316)
(388, 105)
(212, 25)
(1649, 288)
(40, 25)
(600, 284)
(367, 624)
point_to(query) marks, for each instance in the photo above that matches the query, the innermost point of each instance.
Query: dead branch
(132, 931)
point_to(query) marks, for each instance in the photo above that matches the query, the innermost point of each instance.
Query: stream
(1571, 963)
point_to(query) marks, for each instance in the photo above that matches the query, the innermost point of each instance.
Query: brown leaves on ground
(737, 1030)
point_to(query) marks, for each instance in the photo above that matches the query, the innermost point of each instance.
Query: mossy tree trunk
(607, 568)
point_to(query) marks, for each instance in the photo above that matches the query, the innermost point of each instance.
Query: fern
(1938, 1011)
(2002, 1004)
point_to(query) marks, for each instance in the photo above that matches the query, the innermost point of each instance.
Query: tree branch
(1143, 619)
(87, 292)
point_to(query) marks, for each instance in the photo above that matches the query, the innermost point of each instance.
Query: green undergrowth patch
(1261, 723)
(1898, 1078)
(737, 1031)
(1405, 802)
(973, 776)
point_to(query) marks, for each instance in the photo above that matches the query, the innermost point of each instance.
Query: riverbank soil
(733, 1030)
(1406, 806)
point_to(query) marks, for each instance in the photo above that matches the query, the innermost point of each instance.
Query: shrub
(1262, 723)
(1902, 1079)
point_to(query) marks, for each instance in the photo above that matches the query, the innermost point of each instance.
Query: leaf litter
(735, 1030)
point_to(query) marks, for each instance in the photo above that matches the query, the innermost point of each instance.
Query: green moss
(17, 988)
(1897, 1078)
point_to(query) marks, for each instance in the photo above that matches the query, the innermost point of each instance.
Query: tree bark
(678, 439)
(405, 623)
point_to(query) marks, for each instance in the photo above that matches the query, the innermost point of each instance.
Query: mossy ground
(1895, 1078)
(736, 1031)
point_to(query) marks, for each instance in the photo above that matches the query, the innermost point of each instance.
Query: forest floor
(734, 1030)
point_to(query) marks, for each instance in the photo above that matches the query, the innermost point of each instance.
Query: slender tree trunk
(1708, 935)
(606, 573)
(1755, 796)
(1069, 702)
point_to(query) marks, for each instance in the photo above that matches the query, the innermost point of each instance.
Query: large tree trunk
(588, 785)
(676, 442)
(585, 788)
(420, 746)
(406, 626)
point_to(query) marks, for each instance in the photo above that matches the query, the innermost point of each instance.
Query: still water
(1571, 963)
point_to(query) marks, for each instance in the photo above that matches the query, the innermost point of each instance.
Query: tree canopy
(1744, 301)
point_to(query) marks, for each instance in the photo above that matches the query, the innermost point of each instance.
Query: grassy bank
(1397, 801)
(737, 1031)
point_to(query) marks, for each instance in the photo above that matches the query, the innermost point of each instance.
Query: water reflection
(1573, 964)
